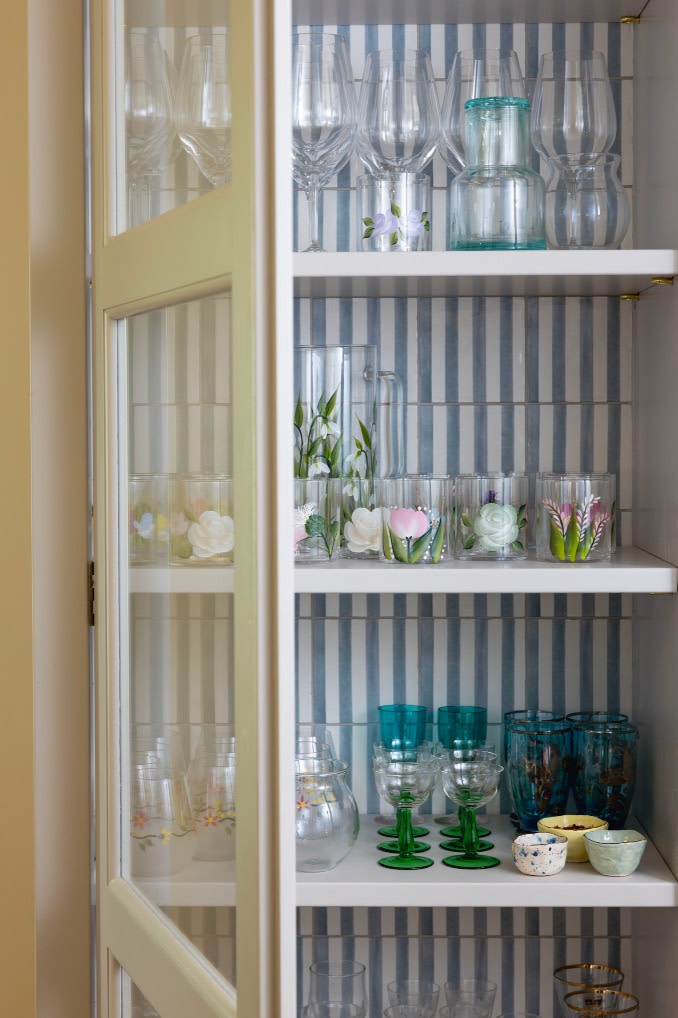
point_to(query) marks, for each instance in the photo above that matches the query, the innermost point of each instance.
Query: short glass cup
(479, 993)
(212, 790)
(162, 826)
(584, 976)
(414, 993)
(491, 516)
(361, 520)
(415, 520)
(574, 517)
(337, 980)
(600, 1003)
(144, 512)
(201, 530)
(394, 212)
(317, 520)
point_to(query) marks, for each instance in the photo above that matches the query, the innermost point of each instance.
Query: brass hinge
(90, 594)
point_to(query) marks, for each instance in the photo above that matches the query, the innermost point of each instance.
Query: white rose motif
(496, 526)
(363, 531)
(411, 223)
(211, 535)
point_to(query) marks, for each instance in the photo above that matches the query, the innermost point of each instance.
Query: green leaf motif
(572, 537)
(336, 453)
(368, 221)
(427, 226)
(399, 549)
(518, 546)
(522, 524)
(385, 543)
(556, 543)
(331, 403)
(315, 525)
(469, 542)
(298, 413)
(395, 209)
(393, 239)
(367, 438)
(437, 543)
(420, 546)
(466, 520)
(522, 514)
(368, 233)
(334, 536)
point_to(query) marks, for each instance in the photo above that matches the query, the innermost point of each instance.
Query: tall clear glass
(204, 112)
(572, 107)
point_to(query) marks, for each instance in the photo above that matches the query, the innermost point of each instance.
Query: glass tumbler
(479, 993)
(575, 514)
(584, 976)
(327, 821)
(491, 516)
(586, 204)
(201, 529)
(394, 212)
(162, 826)
(415, 520)
(340, 980)
(497, 201)
(212, 790)
(414, 993)
(538, 769)
(361, 520)
(600, 1003)
(317, 521)
(604, 758)
(144, 509)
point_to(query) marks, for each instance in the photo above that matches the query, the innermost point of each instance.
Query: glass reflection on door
(178, 533)
(175, 142)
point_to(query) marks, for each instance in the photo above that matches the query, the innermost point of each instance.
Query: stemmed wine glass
(149, 117)
(457, 835)
(461, 727)
(323, 116)
(204, 104)
(474, 74)
(402, 726)
(398, 113)
(405, 779)
(471, 783)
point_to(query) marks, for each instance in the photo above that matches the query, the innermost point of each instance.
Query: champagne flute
(323, 116)
(204, 104)
(149, 117)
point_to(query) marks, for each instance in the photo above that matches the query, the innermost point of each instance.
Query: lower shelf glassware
(538, 769)
(337, 984)
(604, 769)
(471, 783)
(600, 1003)
(584, 976)
(405, 780)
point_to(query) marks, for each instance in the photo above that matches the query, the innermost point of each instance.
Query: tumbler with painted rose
(491, 516)
(415, 514)
(201, 529)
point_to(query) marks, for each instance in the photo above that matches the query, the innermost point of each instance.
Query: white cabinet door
(189, 620)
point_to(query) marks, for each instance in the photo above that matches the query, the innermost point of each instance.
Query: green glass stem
(470, 840)
(405, 835)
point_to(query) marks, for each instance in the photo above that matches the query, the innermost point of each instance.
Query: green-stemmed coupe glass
(456, 834)
(402, 726)
(461, 750)
(405, 780)
(392, 830)
(460, 727)
(471, 783)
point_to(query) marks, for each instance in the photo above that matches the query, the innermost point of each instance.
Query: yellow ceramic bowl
(576, 847)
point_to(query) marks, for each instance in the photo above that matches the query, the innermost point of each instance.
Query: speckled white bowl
(615, 853)
(539, 855)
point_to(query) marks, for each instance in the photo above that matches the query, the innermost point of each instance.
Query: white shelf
(480, 273)
(405, 12)
(629, 571)
(188, 579)
(360, 881)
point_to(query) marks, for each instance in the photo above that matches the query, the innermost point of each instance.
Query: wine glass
(457, 834)
(572, 108)
(586, 204)
(405, 779)
(460, 728)
(323, 116)
(471, 783)
(204, 104)
(398, 114)
(474, 74)
(149, 117)
(401, 726)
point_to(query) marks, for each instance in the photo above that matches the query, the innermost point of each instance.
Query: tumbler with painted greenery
(491, 516)
(604, 759)
(415, 520)
(538, 769)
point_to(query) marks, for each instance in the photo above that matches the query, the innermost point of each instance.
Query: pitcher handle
(390, 425)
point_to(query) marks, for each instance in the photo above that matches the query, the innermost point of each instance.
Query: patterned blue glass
(604, 770)
(538, 769)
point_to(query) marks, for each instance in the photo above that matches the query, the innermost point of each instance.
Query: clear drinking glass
(201, 528)
(361, 519)
(421, 993)
(575, 515)
(327, 821)
(317, 520)
(405, 779)
(415, 520)
(572, 107)
(479, 993)
(204, 104)
(212, 790)
(338, 980)
(471, 783)
(398, 114)
(394, 212)
(149, 117)
(323, 115)
(586, 204)
(475, 74)
(491, 516)
(144, 507)
(584, 976)
(162, 826)
(600, 1003)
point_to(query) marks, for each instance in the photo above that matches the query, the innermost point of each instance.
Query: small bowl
(615, 853)
(576, 849)
(539, 855)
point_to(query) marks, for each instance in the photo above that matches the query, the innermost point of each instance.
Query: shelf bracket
(629, 19)
(663, 281)
(629, 296)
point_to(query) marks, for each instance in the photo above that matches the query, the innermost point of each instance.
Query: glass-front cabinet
(320, 425)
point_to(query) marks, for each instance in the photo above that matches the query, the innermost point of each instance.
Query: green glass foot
(392, 832)
(462, 862)
(392, 846)
(456, 832)
(410, 862)
(456, 845)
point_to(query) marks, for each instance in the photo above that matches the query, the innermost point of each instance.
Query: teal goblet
(405, 784)
(460, 727)
(401, 726)
(471, 783)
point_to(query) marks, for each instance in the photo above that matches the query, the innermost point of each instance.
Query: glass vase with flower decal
(415, 520)
(327, 821)
(491, 516)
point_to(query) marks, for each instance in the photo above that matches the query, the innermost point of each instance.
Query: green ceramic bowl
(615, 853)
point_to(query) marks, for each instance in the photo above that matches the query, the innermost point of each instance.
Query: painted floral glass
(327, 821)
(604, 758)
(538, 755)
(394, 212)
(144, 509)
(415, 520)
(317, 520)
(200, 523)
(361, 516)
(162, 826)
(491, 516)
(574, 517)
(212, 791)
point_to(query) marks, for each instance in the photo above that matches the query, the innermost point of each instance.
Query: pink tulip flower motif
(408, 524)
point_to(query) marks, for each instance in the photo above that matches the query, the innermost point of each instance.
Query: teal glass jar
(497, 201)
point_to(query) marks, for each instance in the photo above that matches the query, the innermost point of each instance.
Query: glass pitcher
(348, 415)
(327, 820)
